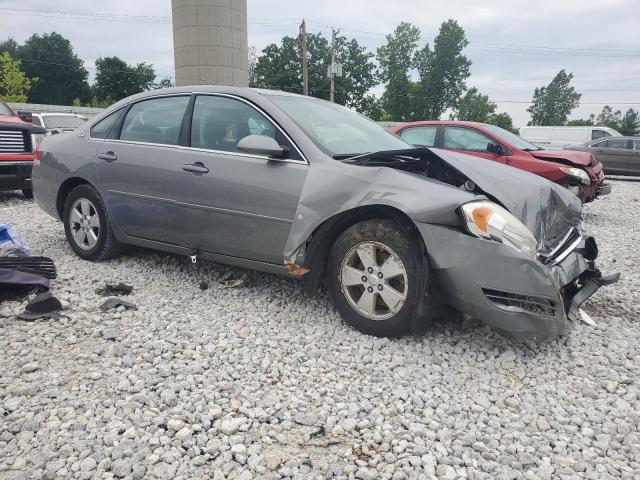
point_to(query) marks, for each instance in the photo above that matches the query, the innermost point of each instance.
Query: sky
(515, 45)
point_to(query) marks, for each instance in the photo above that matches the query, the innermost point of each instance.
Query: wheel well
(66, 187)
(323, 237)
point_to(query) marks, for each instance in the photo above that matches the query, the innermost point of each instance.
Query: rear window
(4, 109)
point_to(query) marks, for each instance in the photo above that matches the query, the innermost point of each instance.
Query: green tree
(443, 72)
(609, 118)
(582, 122)
(14, 84)
(630, 123)
(553, 103)
(502, 120)
(280, 67)
(115, 79)
(10, 46)
(396, 59)
(474, 107)
(164, 83)
(61, 74)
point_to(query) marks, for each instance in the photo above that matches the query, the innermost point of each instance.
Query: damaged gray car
(302, 187)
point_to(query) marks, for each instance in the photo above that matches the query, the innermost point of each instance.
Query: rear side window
(465, 139)
(219, 123)
(599, 134)
(423, 136)
(617, 143)
(157, 120)
(636, 144)
(103, 127)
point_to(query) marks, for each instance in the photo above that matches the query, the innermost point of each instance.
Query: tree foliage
(14, 84)
(443, 72)
(280, 67)
(553, 103)
(61, 76)
(475, 107)
(630, 123)
(116, 79)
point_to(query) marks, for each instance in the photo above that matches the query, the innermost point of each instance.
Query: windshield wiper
(344, 156)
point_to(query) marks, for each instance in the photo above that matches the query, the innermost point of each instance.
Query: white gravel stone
(262, 381)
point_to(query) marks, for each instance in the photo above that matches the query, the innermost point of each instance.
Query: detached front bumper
(519, 297)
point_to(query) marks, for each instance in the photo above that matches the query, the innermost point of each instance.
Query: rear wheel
(373, 275)
(87, 225)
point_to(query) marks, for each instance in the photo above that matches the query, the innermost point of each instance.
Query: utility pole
(335, 69)
(305, 69)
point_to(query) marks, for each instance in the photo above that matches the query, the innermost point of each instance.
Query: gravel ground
(263, 382)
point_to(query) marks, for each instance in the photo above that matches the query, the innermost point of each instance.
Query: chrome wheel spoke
(367, 302)
(367, 254)
(80, 237)
(94, 221)
(352, 276)
(85, 207)
(392, 267)
(92, 238)
(75, 216)
(392, 298)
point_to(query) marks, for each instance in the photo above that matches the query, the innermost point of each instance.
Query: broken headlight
(492, 222)
(577, 174)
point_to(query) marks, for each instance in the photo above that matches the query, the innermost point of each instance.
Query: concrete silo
(210, 42)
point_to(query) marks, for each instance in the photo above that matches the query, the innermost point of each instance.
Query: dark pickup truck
(18, 142)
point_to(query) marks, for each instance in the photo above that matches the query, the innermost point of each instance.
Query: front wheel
(87, 226)
(373, 276)
(27, 192)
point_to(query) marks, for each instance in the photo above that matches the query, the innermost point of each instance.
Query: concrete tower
(210, 42)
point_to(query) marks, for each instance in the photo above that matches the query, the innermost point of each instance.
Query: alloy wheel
(84, 223)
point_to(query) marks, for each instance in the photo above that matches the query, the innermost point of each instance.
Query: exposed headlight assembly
(492, 222)
(578, 174)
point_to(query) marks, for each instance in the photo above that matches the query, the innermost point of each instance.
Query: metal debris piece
(111, 303)
(228, 280)
(114, 289)
(586, 318)
(44, 303)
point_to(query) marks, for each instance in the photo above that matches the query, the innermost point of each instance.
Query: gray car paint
(260, 213)
(616, 161)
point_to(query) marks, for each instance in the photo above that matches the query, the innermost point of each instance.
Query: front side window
(103, 127)
(599, 134)
(636, 145)
(618, 143)
(458, 138)
(157, 120)
(4, 109)
(219, 123)
(424, 136)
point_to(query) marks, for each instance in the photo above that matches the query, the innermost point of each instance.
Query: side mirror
(25, 115)
(262, 145)
(495, 149)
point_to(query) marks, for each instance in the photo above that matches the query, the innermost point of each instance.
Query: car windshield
(511, 138)
(336, 130)
(63, 121)
(4, 109)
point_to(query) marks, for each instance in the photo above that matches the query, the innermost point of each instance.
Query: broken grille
(12, 141)
(517, 303)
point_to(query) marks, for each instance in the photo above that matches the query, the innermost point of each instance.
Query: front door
(140, 170)
(614, 155)
(237, 204)
(470, 141)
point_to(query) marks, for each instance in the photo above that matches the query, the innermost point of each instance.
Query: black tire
(106, 246)
(27, 192)
(389, 234)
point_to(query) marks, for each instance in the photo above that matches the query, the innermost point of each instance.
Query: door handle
(195, 168)
(109, 156)
(599, 150)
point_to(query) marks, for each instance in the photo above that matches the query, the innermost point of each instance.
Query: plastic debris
(11, 240)
(228, 280)
(44, 303)
(586, 318)
(114, 289)
(111, 303)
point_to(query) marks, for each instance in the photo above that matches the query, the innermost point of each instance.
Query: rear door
(471, 141)
(140, 168)
(634, 159)
(614, 154)
(237, 204)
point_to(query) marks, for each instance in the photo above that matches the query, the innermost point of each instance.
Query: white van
(562, 137)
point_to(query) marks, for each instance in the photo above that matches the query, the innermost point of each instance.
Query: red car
(580, 172)
(18, 141)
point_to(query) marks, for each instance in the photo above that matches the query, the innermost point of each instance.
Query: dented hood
(548, 209)
(577, 158)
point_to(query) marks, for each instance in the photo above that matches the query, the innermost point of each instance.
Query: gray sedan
(619, 155)
(302, 187)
